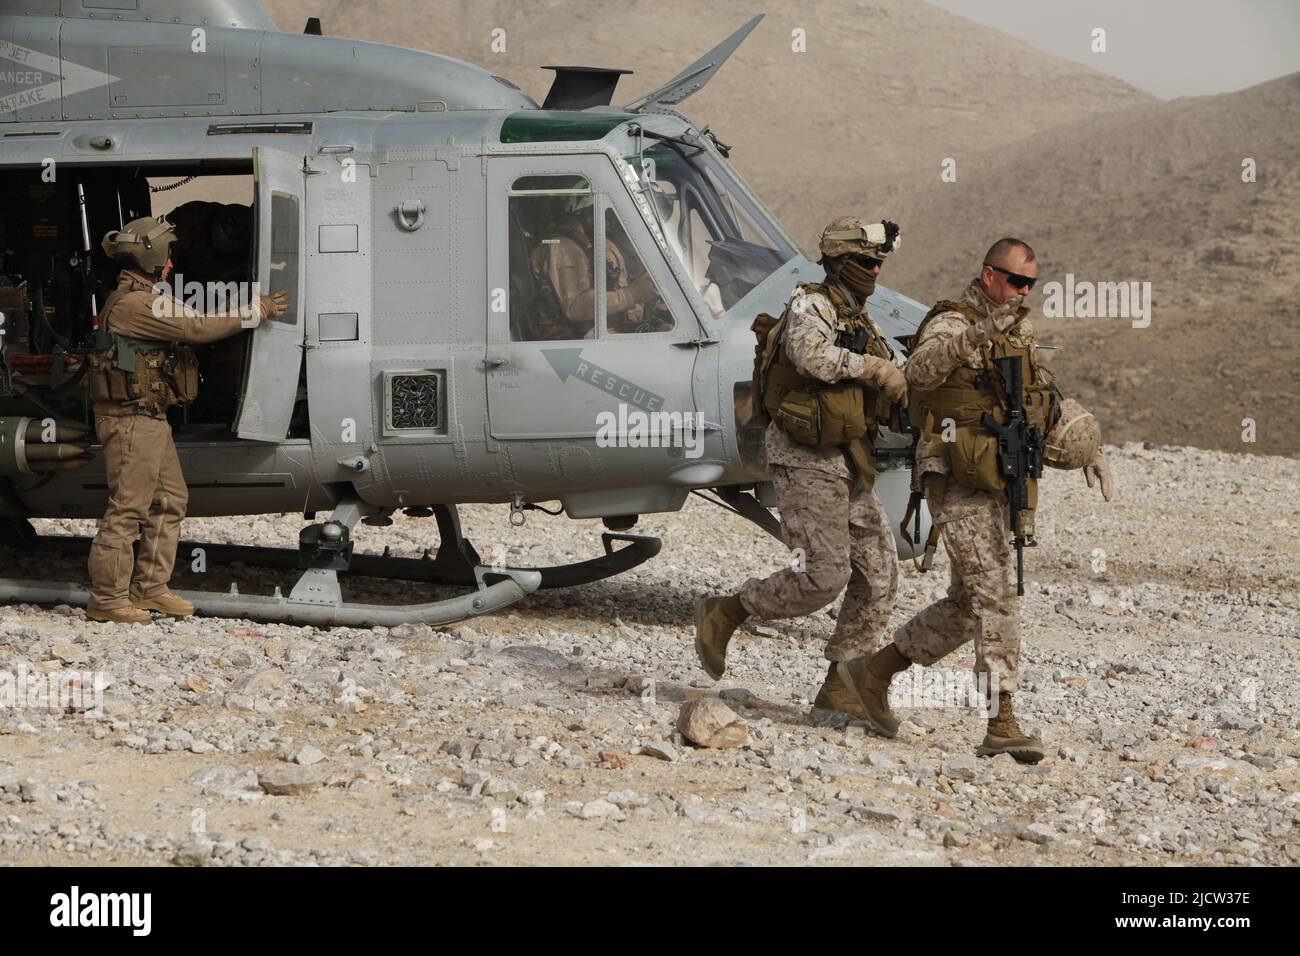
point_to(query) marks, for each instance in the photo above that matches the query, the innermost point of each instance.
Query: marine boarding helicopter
(413, 208)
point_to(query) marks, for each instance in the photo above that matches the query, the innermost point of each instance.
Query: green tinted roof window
(551, 126)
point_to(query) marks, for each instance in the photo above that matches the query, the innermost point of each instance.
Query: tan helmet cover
(852, 235)
(145, 243)
(1074, 440)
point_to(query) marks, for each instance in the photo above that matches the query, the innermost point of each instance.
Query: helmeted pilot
(563, 261)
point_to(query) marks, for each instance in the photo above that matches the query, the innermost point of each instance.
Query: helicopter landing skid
(317, 599)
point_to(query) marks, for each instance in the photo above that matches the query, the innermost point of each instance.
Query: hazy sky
(1166, 47)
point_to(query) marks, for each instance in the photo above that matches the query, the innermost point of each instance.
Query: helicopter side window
(284, 253)
(552, 270)
(632, 300)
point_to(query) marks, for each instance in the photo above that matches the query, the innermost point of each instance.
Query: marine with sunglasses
(952, 383)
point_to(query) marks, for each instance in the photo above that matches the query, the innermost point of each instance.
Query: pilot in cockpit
(562, 263)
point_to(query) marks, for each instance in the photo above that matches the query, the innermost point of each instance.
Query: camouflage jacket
(944, 347)
(810, 345)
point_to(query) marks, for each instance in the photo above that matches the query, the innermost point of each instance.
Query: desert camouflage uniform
(841, 531)
(975, 525)
(147, 495)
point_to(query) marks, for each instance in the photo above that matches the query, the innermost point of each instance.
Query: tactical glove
(998, 321)
(1099, 470)
(884, 375)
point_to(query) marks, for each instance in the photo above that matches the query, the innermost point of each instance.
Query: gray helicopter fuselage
(389, 223)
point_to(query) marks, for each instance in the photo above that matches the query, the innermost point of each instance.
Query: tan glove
(999, 320)
(886, 376)
(1100, 471)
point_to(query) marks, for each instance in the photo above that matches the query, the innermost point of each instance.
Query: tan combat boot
(1005, 736)
(869, 680)
(716, 619)
(117, 615)
(165, 603)
(834, 695)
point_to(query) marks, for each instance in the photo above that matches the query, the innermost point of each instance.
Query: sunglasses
(868, 262)
(1016, 279)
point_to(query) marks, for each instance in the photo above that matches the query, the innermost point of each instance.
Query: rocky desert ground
(1160, 659)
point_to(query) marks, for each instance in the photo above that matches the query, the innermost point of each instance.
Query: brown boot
(716, 619)
(834, 695)
(869, 679)
(1005, 736)
(117, 615)
(165, 603)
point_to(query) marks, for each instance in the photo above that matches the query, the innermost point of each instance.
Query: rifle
(1020, 456)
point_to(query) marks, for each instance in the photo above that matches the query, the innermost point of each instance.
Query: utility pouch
(973, 459)
(843, 415)
(799, 414)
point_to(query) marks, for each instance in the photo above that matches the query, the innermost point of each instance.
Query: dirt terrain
(1160, 659)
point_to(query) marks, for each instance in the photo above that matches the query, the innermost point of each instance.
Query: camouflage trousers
(840, 536)
(146, 501)
(981, 605)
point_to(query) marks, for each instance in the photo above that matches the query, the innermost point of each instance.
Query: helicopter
(409, 205)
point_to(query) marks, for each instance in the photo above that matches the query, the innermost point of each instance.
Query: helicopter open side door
(273, 362)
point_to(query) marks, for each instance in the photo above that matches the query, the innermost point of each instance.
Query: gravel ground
(1160, 659)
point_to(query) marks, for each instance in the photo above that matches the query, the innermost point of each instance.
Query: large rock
(265, 681)
(228, 782)
(289, 780)
(708, 722)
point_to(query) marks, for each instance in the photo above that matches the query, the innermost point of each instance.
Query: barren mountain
(880, 84)
(1153, 194)
(1107, 182)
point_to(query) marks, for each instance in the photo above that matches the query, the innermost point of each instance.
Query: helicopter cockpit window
(726, 243)
(632, 301)
(552, 271)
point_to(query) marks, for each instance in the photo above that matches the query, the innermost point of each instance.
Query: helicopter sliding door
(582, 344)
(273, 363)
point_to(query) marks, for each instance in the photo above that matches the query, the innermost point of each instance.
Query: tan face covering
(860, 280)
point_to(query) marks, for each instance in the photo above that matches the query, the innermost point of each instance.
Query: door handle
(493, 363)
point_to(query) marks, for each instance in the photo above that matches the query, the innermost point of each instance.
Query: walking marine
(826, 378)
(953, 377)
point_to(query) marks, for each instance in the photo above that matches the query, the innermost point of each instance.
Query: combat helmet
(850, 235)
(1075, 438)
(143, 244)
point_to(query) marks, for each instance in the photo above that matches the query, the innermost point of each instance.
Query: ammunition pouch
(973, 462)
(819, 415)
(150, 375)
